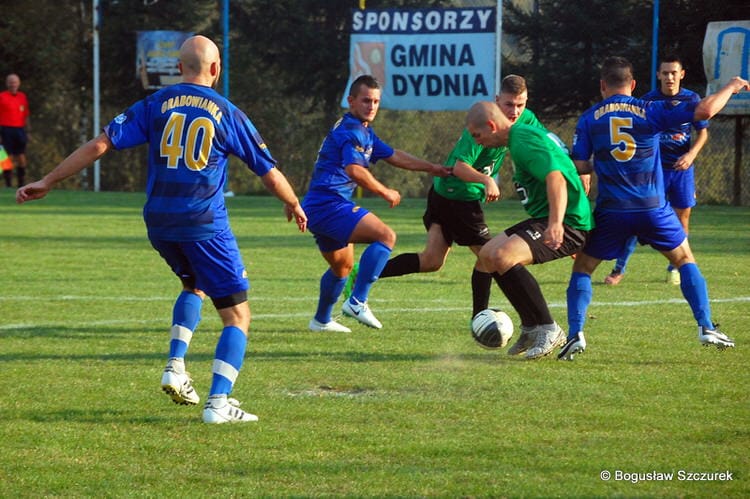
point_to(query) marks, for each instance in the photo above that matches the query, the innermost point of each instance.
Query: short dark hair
(364, 80)
(513, 84)
(617, 71)
(672, 58)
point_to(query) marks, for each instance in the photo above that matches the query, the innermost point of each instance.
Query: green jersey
(536, 153)
(485, 160)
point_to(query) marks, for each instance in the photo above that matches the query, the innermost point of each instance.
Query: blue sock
(186, 314)
(330, 290)
(579, 297)
(230, 353)
(695, 291)
(627, 251)
(371, 264)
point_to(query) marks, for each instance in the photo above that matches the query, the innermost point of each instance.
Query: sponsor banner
(726, 53)
(158, 53)
(425, 59)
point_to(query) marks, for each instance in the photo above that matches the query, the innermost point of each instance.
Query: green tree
(562, 44)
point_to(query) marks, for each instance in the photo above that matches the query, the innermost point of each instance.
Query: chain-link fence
(722, 172)
(721, 177)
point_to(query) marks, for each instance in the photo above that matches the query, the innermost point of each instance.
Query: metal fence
(722, 176)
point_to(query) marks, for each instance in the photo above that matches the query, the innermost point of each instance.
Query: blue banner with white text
(425, 59)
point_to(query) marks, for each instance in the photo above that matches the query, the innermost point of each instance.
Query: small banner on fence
(5, 162)
(726, 53)
(425, 59)
(158, 53)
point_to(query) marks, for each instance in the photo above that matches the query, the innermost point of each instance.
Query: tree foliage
(288, 66)
(562, 44)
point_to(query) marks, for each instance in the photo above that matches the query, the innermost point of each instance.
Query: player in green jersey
(552, 194)
(454, 204)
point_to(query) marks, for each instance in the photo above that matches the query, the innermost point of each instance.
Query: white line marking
(307, 314)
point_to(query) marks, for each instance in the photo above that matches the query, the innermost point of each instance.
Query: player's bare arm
(278, 185)
(404, 160)
(77, 161)
(714, 103)
(583, 167)
(557, 197)
(467, 173)
(366, 180)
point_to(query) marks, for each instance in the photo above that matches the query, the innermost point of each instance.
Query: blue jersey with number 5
(191, 131)
(622, 135)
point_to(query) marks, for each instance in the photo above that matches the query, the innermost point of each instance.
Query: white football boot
(524, 342)
(328, 327)
(714, 337)
(222, 409)
(361, 312)
(548, 337)
(575, 345)
(177, 383)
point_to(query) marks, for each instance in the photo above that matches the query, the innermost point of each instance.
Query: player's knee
(237, 315)
(388, 237)
(488, 259)
(430, 262)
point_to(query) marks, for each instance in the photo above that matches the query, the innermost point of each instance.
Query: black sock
(524, 293)
(21, 174)
(405, 263)
(481, 283)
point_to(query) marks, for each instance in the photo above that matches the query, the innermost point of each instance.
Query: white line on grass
(10, 327)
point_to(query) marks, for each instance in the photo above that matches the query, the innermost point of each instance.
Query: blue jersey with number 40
(191, 131)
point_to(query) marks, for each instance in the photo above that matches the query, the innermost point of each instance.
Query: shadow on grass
(101, 416)
(81, 332)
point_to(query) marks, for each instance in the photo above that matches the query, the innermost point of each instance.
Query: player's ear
(179, 67)
(632, 85)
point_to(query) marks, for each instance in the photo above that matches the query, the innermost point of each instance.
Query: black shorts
(531, 231)
(14, 139)
(461, 222)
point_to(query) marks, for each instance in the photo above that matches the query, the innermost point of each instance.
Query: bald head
(199, 61)
(12, 81)
(484, 111)
(487, 124)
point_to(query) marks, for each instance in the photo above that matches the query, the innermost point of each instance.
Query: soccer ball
(492, 328)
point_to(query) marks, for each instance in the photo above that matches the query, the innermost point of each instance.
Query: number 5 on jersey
(192, 146)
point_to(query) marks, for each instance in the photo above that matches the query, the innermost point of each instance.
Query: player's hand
(298, 214)
(683, 162)
(491, 191)
(30, 192)
(586, 181)
(441, 170)
(392, 196)
(740, 84)
(553, 236)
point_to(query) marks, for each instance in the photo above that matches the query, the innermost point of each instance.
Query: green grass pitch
(413, 410)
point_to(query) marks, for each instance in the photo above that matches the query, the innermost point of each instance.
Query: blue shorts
(214, 265)
(660, 228)
(332, 221)
(679, 187)
(14, 139)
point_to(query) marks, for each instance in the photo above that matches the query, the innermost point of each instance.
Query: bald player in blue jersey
(191, 130)
(343, 163)
(621, 133)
